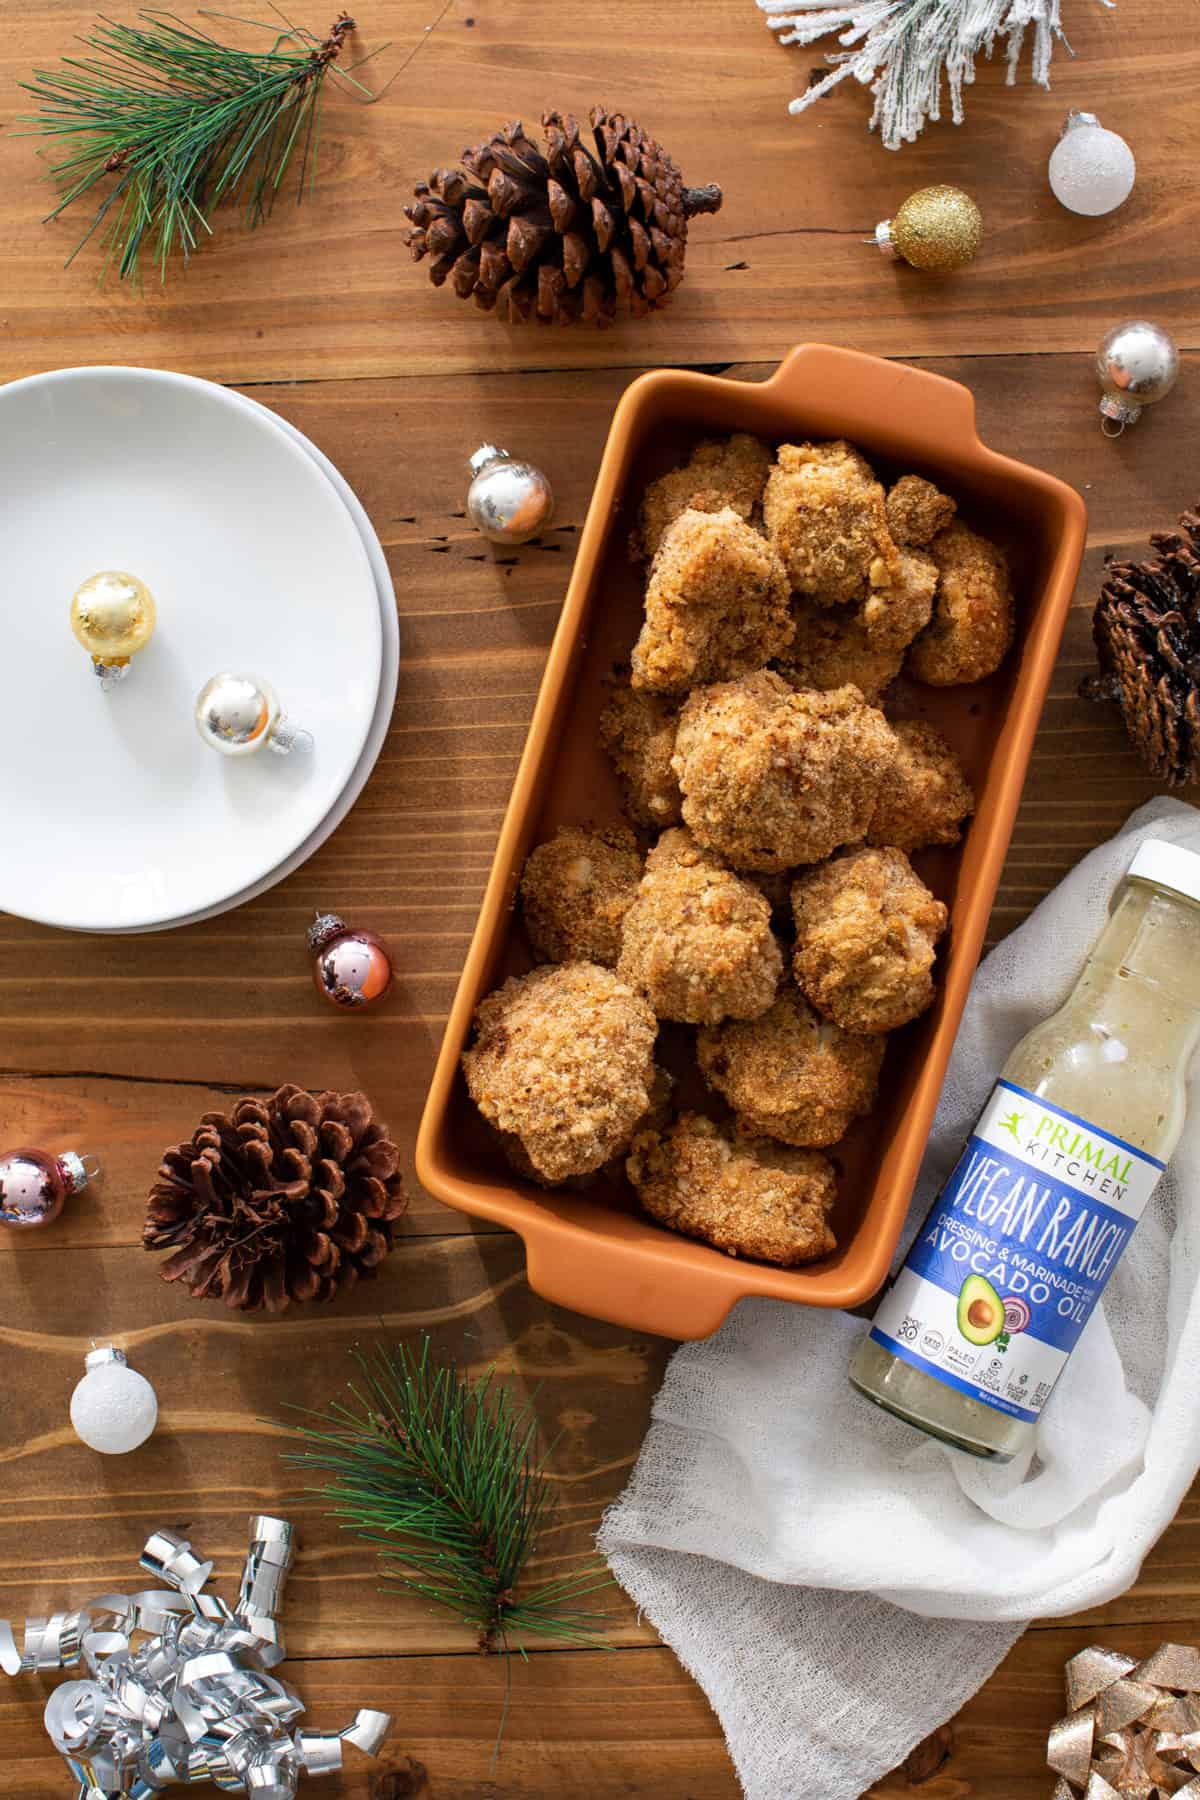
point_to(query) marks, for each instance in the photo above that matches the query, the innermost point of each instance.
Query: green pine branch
(161, 124)
(443, 1473)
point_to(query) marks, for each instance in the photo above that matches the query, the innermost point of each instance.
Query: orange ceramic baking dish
(593, 1250)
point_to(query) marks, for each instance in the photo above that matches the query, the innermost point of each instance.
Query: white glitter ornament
(1091, 170)
(113, 1408)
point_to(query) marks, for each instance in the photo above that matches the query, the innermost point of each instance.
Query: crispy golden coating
(893, 615)
(790, 1074)
(831, 648)
(972, 625)
(866, 934)
(917, 511)
(563, 1059)
(575, 892)
(927, 796)
(771, 777)
(746, 1196)
(824, 513)
(720, 472)
(655, 1118)
(717, 604)
(697, 941)
(638, 732)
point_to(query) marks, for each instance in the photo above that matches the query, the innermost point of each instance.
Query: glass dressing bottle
(1004, 1273)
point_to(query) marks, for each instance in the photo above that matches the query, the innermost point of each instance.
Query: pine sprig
(443, 1473)
(164, 124)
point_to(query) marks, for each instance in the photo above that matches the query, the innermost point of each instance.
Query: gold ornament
(937, 229)
(113, 615)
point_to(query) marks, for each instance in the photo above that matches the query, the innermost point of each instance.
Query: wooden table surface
(120, 1044)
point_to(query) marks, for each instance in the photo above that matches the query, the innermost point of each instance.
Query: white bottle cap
(1169, 866)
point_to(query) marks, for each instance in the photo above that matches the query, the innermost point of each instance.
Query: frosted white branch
(902, 50)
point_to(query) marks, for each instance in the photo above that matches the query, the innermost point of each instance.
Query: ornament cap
(324, 928)
(77, 1170)
(1075, 118)
(885, 240)
(1121, 412)
(288, 736)
(485, 456)
(102, 1354)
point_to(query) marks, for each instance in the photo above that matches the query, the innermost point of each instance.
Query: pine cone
(1147, 631)
(290, 1198)
(560, 235)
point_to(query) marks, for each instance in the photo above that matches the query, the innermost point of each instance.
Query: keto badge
(1016, 1252)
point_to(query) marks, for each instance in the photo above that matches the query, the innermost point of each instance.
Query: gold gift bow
(1133, 1731)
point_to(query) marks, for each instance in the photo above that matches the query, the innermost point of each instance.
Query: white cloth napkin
(838, 1583)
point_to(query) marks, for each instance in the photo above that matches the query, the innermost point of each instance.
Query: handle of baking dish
(605, 1282)
(857, 389)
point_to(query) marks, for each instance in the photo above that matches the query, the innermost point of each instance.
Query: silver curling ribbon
(79, 1715)
(320, 1752)
(53, 1643)
(368, 1730)
(194, 1702)
(260, 1597)
(171, 1558)
(275, 1779)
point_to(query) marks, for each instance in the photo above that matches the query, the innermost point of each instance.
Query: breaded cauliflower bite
(721, 472)
(563, 1060)
(718, 604)
(746, 1196)
(927, 796)
(831, 648)
(655, 1118)
(867, 929)
(893, 615)
(697, 941)
(972, 625)
(637, 730)
(771, 777)
(824, 513)
(790, 1074)
(917, 511)
(575, 892)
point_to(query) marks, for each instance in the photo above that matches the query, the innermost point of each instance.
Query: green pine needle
(443, 1473)
(162, 124)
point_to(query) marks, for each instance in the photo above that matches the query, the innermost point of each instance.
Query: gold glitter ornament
(113, 615)
(938, 229)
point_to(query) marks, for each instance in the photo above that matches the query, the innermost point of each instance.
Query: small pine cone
(289, 1198)
(1147, 631)
(569, 233)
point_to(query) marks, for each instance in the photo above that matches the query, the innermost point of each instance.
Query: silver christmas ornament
(1137, 364)
(508, 500)
(1091, 170)
(238, 714)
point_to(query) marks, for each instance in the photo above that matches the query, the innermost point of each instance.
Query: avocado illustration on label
(980, 1311)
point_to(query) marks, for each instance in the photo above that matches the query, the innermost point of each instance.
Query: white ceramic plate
(388, 676)
(118, 815)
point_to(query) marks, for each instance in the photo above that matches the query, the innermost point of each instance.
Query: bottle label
(1005, 1271)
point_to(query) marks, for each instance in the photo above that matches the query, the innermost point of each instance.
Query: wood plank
(579, 1724)
(327, 289)
(136, 1121)
(583, 1723)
